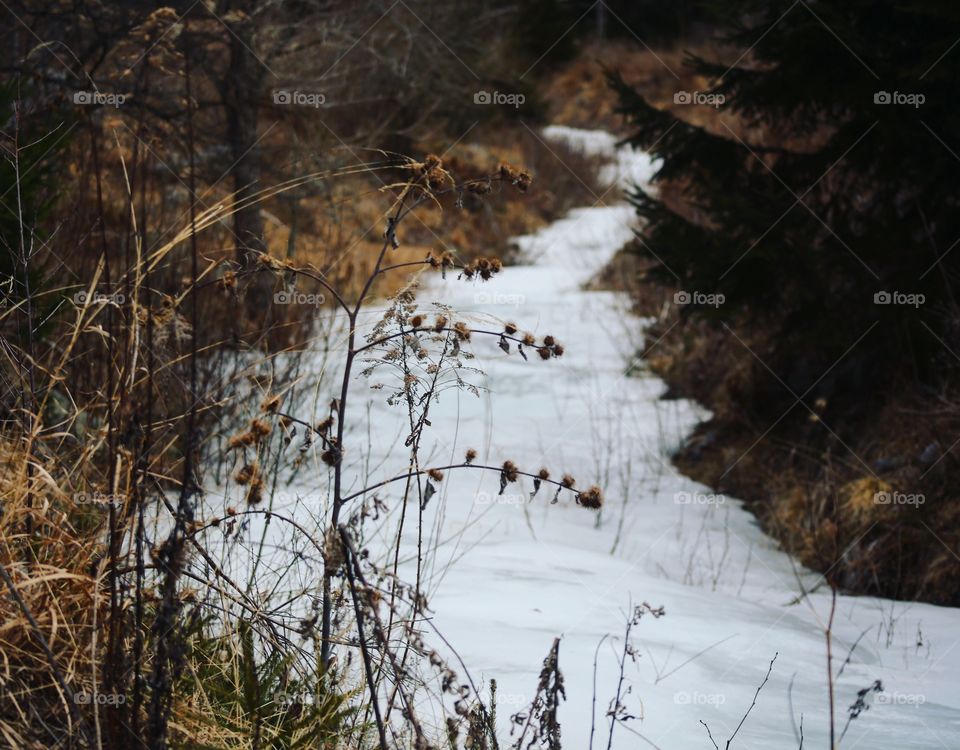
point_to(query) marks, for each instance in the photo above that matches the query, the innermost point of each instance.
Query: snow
(506, 574)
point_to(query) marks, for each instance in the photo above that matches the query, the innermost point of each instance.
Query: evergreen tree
(844, 188)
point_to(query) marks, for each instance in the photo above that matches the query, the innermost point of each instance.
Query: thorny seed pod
(246, 474)
(529, 339)
(471, 455)
(479, 187)
(463, 333)
(549, 341)
(241, 440)
(543, 474)
(416, 321)
(439, 324)
(260, 428)
(270, 404)
(510, 329)
(255, 493)
(591, 498)
(436, 475)
(510, 471)
(558, 350)
(568, 481)
(543, 352)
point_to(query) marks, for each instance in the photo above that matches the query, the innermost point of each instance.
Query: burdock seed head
(591, 498)
(463, 333)
(471, 455)
(270, 404)
(436, 475)
(510, 471)
(510, 329)
(439, 324)
(568, 481)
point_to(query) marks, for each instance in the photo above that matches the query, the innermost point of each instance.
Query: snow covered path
(510, 574)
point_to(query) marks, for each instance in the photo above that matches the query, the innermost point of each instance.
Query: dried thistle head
(510, 329)
(435, 474)
(470, 456)
(270, 404)
(549, 341)
(259, 428)
(591, 498)
(255, 492)
(462, 331)
(440, 323)
(241, 440)
(529, 339)
(510, 471)
(544, 352)
(543, 473)
(416, 321)
(568, 481)
(247, 473)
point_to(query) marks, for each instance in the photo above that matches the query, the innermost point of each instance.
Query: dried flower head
(510, 471)
(591, 498)
(558, 350)
(543, 352)
(270, 404)
(549, 341)
(416, 321)
(255, 493)
(462, 331)
(436, 475)
(479, 187)
(247, 473)
(260, 428)
(568, 481)
(529, 339)
(543, 474)
(471, 455)
(439, 324)
(510, 329)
